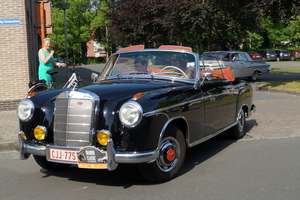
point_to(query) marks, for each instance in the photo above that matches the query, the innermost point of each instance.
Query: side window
(235, 57)
(243, 57)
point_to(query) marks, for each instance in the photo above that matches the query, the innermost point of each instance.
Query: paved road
(217, 169)
(277, 116)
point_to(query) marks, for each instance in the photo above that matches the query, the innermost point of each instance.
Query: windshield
(164, 63)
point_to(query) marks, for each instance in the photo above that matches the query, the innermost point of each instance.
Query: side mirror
(207, 76)
(94, 77)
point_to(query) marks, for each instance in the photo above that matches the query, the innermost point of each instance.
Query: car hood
(114, 90)
(126, 89)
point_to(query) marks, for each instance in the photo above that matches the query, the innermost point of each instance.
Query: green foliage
(253, 41)
(203, 25)
(82, 18)
(294, 31)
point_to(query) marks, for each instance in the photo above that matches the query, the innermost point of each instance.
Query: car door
(237, 65)
(246, 64)
(220, 105)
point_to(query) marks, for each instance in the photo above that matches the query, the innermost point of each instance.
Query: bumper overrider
(113, 157)
(252, 110)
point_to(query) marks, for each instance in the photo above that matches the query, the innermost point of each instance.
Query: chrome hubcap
(169, 154)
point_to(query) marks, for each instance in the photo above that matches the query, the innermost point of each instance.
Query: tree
(189, 21)
(293, 30)
(79, 17)
(253, 41)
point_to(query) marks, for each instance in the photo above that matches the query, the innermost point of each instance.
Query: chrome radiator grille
(73, 119)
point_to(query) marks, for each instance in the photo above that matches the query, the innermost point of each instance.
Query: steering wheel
(176, 68)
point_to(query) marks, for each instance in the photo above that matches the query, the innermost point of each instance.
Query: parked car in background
(135, 115)
(283, 55)
(242, 65)
(269, 55)
(60, 60)
(295, 54)
(255, 55)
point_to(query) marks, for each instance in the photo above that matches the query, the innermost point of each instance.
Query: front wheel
(238, 131)
(172, 152)
(51, 166)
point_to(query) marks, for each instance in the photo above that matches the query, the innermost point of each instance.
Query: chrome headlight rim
(131, 121)
(24, 105)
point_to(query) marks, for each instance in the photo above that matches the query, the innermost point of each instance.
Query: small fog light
(102, 137)
(40, 132)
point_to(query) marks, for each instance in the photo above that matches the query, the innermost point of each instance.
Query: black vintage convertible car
(146, 108)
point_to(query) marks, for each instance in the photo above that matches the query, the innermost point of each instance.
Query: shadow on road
(127, 175)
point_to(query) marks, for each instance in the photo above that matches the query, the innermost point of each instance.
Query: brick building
(18, 51)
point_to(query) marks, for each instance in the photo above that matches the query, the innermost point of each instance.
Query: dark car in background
(134, 116)
(295, 54)
(255, 55)
(283, 55)
(269, 55)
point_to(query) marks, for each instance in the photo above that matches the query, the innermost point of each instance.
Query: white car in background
(242, 65)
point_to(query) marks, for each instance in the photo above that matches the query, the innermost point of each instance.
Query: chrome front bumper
(113, 157)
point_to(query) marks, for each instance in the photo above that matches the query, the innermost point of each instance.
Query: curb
(7, 146)
(266, 89)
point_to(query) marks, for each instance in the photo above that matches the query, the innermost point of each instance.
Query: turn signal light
(138, 95)
(31, 94)
(40, 132)
(103, 137)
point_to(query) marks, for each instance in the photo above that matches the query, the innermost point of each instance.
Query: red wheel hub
(170, 155)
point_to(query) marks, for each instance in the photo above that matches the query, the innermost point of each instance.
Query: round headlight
(25, 110)
(131, 114)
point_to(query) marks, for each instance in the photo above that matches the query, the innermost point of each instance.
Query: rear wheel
(172, 152)
(51, 166)
(254, 76)
(238, 131)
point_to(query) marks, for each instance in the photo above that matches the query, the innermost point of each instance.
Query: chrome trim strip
(211, 135)
(161, 110)
(167, 124)
(199, 100)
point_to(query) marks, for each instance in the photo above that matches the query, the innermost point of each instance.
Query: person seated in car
(182, 64)
(141, 64)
